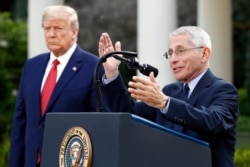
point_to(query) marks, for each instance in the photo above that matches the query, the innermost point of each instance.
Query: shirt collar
(194, 82)
(63, 58)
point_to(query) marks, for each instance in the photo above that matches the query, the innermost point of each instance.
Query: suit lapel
(176, 90)
(72, 67)
(204, 82)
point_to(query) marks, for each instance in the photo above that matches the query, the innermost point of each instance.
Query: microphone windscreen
(147, 69)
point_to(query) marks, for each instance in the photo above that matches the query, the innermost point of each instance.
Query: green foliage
(242, 157)
(243, 102)
(243, 124)
(5, 145)
(243, 132)
(13, 49)
(13, 53)
(242, 152)
(241, 41)
(247, 73)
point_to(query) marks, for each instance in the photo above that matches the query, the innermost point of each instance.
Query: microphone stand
(97, 80)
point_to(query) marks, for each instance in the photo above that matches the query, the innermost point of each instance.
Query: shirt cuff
(106, 81)
(165, 110)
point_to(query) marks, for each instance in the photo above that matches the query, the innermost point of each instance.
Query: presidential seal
(76, 149)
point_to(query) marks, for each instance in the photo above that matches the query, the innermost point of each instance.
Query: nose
(173, 57)
(50, 32)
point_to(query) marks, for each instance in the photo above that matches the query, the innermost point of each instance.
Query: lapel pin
(74, 68)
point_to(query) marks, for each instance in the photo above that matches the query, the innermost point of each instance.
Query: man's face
(187, 61)
(59, 36)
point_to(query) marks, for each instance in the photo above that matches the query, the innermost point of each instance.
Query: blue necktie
(185, 91)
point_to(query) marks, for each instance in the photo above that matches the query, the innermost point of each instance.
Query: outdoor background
(97, 16)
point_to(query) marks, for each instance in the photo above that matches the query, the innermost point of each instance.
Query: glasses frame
(180, 52)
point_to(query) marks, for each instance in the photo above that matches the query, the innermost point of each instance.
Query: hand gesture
(147, 91)
(105, 46)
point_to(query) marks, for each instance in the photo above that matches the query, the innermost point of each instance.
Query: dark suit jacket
(74, 92)
(210, 113)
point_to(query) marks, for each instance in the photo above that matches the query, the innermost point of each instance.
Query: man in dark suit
(208, 112)
(73, 92)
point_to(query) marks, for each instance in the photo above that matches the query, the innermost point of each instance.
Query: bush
(243, 103)
(242, 157)
(243, 124)
(13, 49)
(242, 152)
(5, 146)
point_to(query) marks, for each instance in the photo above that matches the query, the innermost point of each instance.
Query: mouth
(177, 69)
(52, 42)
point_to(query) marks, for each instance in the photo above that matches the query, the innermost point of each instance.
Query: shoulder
(217, 81)
(39, 58)
(85, 54)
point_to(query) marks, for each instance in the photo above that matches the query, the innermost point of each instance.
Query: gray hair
(61, 12)
(198, 36)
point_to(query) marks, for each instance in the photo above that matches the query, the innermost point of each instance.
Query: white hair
(198, 36)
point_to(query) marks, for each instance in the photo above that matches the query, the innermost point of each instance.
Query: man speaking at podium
(200, 104)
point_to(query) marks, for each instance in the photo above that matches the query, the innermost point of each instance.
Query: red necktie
(49, 86)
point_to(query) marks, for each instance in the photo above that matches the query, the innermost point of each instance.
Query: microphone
(133, 63)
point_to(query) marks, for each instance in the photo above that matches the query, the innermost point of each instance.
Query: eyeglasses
(178, 52)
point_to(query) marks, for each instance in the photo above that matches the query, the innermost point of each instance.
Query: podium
(122, 140)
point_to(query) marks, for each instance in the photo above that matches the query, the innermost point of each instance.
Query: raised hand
(105, 46)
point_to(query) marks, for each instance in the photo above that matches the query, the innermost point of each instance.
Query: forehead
(55, 22)
(177, 41)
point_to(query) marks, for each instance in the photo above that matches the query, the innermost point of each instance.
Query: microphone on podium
(132, 63)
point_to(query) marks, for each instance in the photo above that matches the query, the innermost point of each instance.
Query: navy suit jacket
(74, 92)
(210, 114)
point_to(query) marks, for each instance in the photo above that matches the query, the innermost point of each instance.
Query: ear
(74, 33)
(206, 53)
